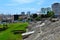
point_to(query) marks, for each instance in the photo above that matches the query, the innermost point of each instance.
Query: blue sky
(16, 6)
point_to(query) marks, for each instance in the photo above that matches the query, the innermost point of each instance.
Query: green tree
(50, 14)
(34, 15)
(38, 18)
(43, 16)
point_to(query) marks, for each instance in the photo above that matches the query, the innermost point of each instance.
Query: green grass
(8, 35)
(1, 25)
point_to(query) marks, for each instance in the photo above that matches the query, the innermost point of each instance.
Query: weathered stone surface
(51, 31)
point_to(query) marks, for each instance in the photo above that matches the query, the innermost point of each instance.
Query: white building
(28, 13)
(45, 10)
(22, 13)
(56, 8)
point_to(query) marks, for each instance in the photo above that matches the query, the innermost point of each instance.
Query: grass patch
(1, 25)
(8, 35)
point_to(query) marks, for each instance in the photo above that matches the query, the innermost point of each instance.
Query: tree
(43, 16)
(50, 14)
(34, 15)
(38, 18)
(29, 19)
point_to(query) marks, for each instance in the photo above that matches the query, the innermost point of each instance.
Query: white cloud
(18, 2)
(30, 9)
(23, 1)
(11, 4)
(40, 2)
(55, 1)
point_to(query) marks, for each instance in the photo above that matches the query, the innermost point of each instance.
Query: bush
(38, 18)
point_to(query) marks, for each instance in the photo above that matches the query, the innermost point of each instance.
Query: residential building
(16, 17)
(45, 10)
(28, 14)
(22, 18)
(22, 13)
(56, 8)
(1, 17)
(7, 18)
